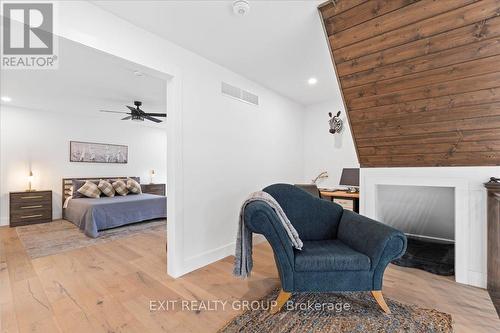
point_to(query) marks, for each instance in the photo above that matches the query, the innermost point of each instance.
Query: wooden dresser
(158, 189)
(30, 207)
(493, 283)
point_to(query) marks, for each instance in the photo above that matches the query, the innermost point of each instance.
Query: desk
(343, 195)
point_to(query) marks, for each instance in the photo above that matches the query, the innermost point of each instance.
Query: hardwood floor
(108, 288)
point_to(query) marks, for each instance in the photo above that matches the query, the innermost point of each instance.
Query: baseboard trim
(208, 257)
(4, 221)
(476, 279)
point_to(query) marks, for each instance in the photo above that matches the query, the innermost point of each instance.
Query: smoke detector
(241, 7)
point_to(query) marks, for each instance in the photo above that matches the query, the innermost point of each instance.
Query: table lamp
(152, 175)
(322, 175)
(30, 181)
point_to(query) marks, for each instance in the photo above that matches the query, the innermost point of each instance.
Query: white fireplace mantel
(470, 208)
(369, 199)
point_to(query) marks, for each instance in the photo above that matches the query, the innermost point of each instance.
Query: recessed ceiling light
(6, 99)
(312, 81)
(138, 73)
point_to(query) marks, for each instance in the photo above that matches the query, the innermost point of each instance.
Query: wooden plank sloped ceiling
(420, 79)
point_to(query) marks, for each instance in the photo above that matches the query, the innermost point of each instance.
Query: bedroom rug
(45, 239)
(364, 315)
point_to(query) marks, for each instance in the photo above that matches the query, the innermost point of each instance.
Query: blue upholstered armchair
(343, 251)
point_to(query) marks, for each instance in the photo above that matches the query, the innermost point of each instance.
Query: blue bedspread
(93, 215)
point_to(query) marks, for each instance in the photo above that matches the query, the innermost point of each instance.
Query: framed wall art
(90, 152)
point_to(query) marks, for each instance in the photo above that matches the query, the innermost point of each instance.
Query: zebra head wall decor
(335, 122)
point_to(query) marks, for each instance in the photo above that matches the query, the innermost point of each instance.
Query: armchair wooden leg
(280, 301)
(377, 294)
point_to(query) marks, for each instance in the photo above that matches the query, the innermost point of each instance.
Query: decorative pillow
(77, 184)
(120, 187)
(106, 188)
(133, 186)
(90, 190)
(112, 180)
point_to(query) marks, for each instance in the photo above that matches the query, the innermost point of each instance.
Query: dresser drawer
(155, 191)
(23, 206)
(19, 217)
(30, 197)
(158, 189)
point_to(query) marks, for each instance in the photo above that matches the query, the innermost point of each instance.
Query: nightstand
(30, 207)
(158, 189)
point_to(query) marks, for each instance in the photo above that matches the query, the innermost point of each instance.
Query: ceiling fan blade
(114, 111)
(152, 119)
(156, 114)
(127, 118)
(131, 108)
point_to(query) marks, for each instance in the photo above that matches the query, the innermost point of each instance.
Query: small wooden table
(332, 195)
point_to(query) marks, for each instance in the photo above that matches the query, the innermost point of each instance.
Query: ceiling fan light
(137, 118)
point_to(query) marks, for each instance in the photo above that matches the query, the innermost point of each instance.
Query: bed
(93, 215)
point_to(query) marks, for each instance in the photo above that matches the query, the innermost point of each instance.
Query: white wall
(230, 150)
(324, 151)
(40, 140)
(219, 149)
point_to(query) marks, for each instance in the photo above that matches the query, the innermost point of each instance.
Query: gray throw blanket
(243, 257)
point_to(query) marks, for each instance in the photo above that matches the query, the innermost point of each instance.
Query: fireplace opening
(426, 214)
(431, 255)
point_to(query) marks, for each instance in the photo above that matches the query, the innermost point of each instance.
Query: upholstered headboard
(67, 182)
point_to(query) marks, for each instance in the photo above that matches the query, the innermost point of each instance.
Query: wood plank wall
(420, 79)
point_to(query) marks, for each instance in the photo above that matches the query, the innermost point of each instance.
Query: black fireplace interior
(430, 255)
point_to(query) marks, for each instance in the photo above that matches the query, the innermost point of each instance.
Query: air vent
(239, 94)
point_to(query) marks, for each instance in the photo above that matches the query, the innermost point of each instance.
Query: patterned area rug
(45, 239)
(310, 312)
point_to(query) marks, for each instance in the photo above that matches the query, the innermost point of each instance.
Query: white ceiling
(279, 44)
(86, 81)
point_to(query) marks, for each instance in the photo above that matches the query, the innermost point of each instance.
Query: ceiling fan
(137, 114)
